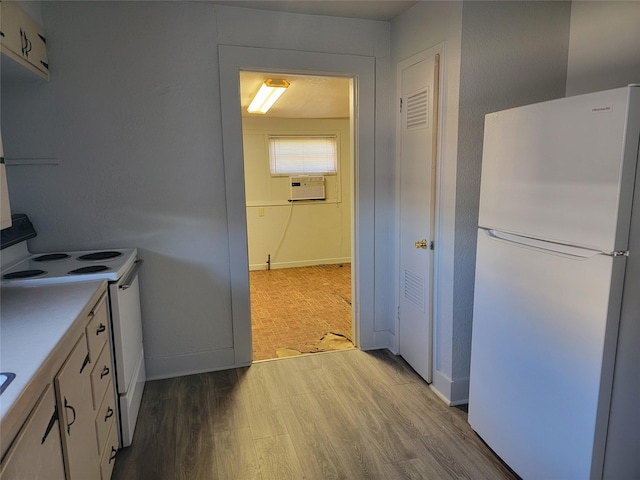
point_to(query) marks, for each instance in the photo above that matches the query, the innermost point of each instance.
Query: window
(302, 155)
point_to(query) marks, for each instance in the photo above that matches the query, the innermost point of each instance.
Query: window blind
(296, 155)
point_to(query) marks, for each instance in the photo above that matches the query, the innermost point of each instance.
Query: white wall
(300, 233)
(604, 46)
(132, 118)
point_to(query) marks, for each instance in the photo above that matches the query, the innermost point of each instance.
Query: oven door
(126, 324)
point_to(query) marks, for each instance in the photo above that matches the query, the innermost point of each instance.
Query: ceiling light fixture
(269, 92)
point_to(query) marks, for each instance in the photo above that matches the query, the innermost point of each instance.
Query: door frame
(433, 295)
(233, 59)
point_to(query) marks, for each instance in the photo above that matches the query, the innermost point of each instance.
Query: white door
(417, 187)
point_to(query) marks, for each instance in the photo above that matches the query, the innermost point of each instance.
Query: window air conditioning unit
(306, 187)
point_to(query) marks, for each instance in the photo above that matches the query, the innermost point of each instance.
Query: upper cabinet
(22, 40)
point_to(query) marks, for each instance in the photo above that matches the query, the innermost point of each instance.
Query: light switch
(261, 212)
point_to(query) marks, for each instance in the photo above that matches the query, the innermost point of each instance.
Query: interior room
(124, 137)
(298, 214)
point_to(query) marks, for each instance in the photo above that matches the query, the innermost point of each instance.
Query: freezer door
(544, 333)
(563, 170)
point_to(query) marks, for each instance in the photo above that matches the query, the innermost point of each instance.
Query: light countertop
(35, 322)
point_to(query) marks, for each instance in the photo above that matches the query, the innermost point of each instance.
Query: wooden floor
(342, 415)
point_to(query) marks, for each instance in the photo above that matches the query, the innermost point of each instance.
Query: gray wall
(513, 53)
(507, 54)
(131, 117)
(424, 26)
(604, 46)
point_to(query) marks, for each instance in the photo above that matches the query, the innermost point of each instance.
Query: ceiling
(381, 10)
(306, 97)
(312, 97)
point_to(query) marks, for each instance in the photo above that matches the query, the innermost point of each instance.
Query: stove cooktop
(61, 267)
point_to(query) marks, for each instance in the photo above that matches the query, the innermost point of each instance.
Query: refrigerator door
(544, 331)
(563, 170)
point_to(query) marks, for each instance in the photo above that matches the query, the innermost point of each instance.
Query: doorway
(298, 173)
(232, 60)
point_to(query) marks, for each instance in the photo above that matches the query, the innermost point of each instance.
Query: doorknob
(422, 244)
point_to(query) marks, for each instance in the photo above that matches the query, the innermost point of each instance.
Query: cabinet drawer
(109, 454)
(101, 375)
(97, 329)
(37, 452)
(105, 416)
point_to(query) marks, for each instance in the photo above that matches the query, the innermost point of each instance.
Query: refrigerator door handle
(567, 251)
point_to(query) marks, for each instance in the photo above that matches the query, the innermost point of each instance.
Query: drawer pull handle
(101, 328)
(113, 454)
(73, 410)
(109, 414)
(105, 372)
(52, 422)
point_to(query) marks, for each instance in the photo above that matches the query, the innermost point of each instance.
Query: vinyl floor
(294, 309)
(341, 415)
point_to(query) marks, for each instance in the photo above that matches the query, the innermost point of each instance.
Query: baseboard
(180, 365)
(300, 263)
(452, 392)
(382, 339)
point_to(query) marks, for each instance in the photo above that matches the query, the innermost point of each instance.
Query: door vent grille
(418, 109)
(414, 289)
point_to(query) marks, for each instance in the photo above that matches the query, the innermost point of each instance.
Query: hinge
(400, 104)
(432, 245)
(620, 253)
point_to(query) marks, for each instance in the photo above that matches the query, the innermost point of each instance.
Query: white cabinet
(71, 432)
(102, 388)
(75, 403)
(23, 40)
(86, 393)
(36, 452)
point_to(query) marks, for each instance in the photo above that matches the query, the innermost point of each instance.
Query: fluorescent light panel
(269, 93)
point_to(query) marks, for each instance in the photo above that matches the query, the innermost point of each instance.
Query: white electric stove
(58, 267)
(120, 266)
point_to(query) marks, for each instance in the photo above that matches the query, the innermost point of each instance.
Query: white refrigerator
(555, 362)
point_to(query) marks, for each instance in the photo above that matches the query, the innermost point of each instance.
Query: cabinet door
(37, 452)
(23, 38)
(75, 404)
(11, 20)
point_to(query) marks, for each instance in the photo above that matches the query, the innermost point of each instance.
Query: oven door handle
(133, 273)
